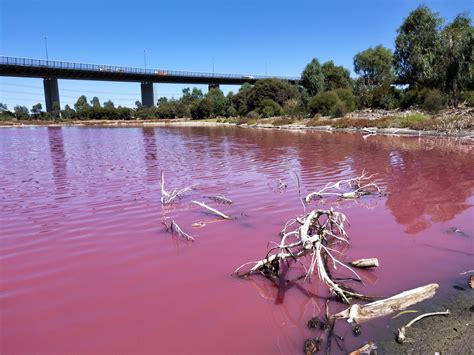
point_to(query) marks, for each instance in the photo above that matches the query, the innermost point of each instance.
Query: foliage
(292, 107)
(456, 56)
(201, 109)
(273, 89)
(324, 103)
(37, 110)
(218, 102)
(81, 103)
(468, 97)
(335, 77)
(166, 110)
(312, 78)
(432, 100)
(417, 47)
(282, 121)
(347, 98)
(21, 113)
(269, 108)
(374, 65)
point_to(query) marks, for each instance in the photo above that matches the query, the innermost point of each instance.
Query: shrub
(416, 121)
(323, 103)
(269, 108)
(282, 121)
(292, 107)
(408, 99)
(201, 109)
(347, 97)
(253, 115)
(339, 110)
(431, 100)
(231, 112)
(166, 110)
(317, 122)
(468, 97)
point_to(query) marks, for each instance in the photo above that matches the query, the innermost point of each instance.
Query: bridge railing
(54, 64)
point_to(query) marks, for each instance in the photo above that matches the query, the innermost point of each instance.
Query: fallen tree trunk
(363, 313)
(365, 263)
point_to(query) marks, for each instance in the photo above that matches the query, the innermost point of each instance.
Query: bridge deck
(38, 68)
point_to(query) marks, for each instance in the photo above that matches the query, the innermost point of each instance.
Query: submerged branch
(213, 210)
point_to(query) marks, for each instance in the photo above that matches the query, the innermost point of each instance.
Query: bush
(347, 97)
(339, 110)
(201, 109)
(231, 112)
(166, 110)
(269, 108)
(416, 121)
(408, 99)
(292, 107)
(282, 121)
(468, 97)
(431, 100)
(323, 103)
(253, 115)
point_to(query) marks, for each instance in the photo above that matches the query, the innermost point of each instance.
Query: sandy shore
(453, 334)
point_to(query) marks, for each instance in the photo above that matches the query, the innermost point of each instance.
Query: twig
(401, 337)
(220, 199)
(213, 210)
(168, 198)
(179, 232)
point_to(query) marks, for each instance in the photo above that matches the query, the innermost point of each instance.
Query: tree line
(431, 67)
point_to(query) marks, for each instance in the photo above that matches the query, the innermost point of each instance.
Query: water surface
(87, 267)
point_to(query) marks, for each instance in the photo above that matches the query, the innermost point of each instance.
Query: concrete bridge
(51, 71)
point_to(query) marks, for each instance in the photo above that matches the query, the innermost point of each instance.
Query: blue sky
(243, 36)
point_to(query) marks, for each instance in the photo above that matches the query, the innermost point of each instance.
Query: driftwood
(365, 263)
(368, 349)
(168, 197)
(347, 189)
(221, 200)
(312, 235)
(401, 336)
(363, 313)
(173, 228)
(213, 210)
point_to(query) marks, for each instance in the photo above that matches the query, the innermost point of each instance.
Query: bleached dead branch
(362, 313)
(168, 197)
(401, 336)
(348, 189)
(365, 263)
(173, 228)
(311, 236)
(213, 210)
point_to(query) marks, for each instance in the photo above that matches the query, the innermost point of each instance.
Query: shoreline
(452, 334)
(196, 123)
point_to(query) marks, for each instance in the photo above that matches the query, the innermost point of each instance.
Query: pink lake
(88, 268)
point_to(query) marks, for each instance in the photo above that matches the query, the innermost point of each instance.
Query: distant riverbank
(455, 123)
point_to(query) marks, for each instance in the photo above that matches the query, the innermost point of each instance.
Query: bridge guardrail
(54, 64)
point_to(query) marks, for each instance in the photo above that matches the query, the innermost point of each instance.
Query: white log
(363, 313)
(365, 263)
(213, 210)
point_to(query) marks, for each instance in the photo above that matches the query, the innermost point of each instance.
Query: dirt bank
(453, 334)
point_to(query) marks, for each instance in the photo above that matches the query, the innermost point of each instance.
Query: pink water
(87, 268)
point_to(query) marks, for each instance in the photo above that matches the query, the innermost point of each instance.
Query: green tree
(218, 101)
(273, 89)
(239, 100)
(336, 77)
(68, 113)
(312, 78)
(81, 103)
(457, 56)
(37, 110)
(162, 100)
(196, 94)
(3, 107)
(375, 66)
(417, 48)
(109, 104)
(21, 112)
(166, 110)
(269, 108)
(95, 102)
(201, 109)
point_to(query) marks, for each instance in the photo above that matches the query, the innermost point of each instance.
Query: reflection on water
(103, 276)
(58, 158)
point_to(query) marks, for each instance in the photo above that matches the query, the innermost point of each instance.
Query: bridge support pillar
(51, 94)
(148, 96)
(213, 86)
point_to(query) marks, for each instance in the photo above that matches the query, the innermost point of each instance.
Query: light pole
(144, 57)
(46, 47)
(212, 65)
